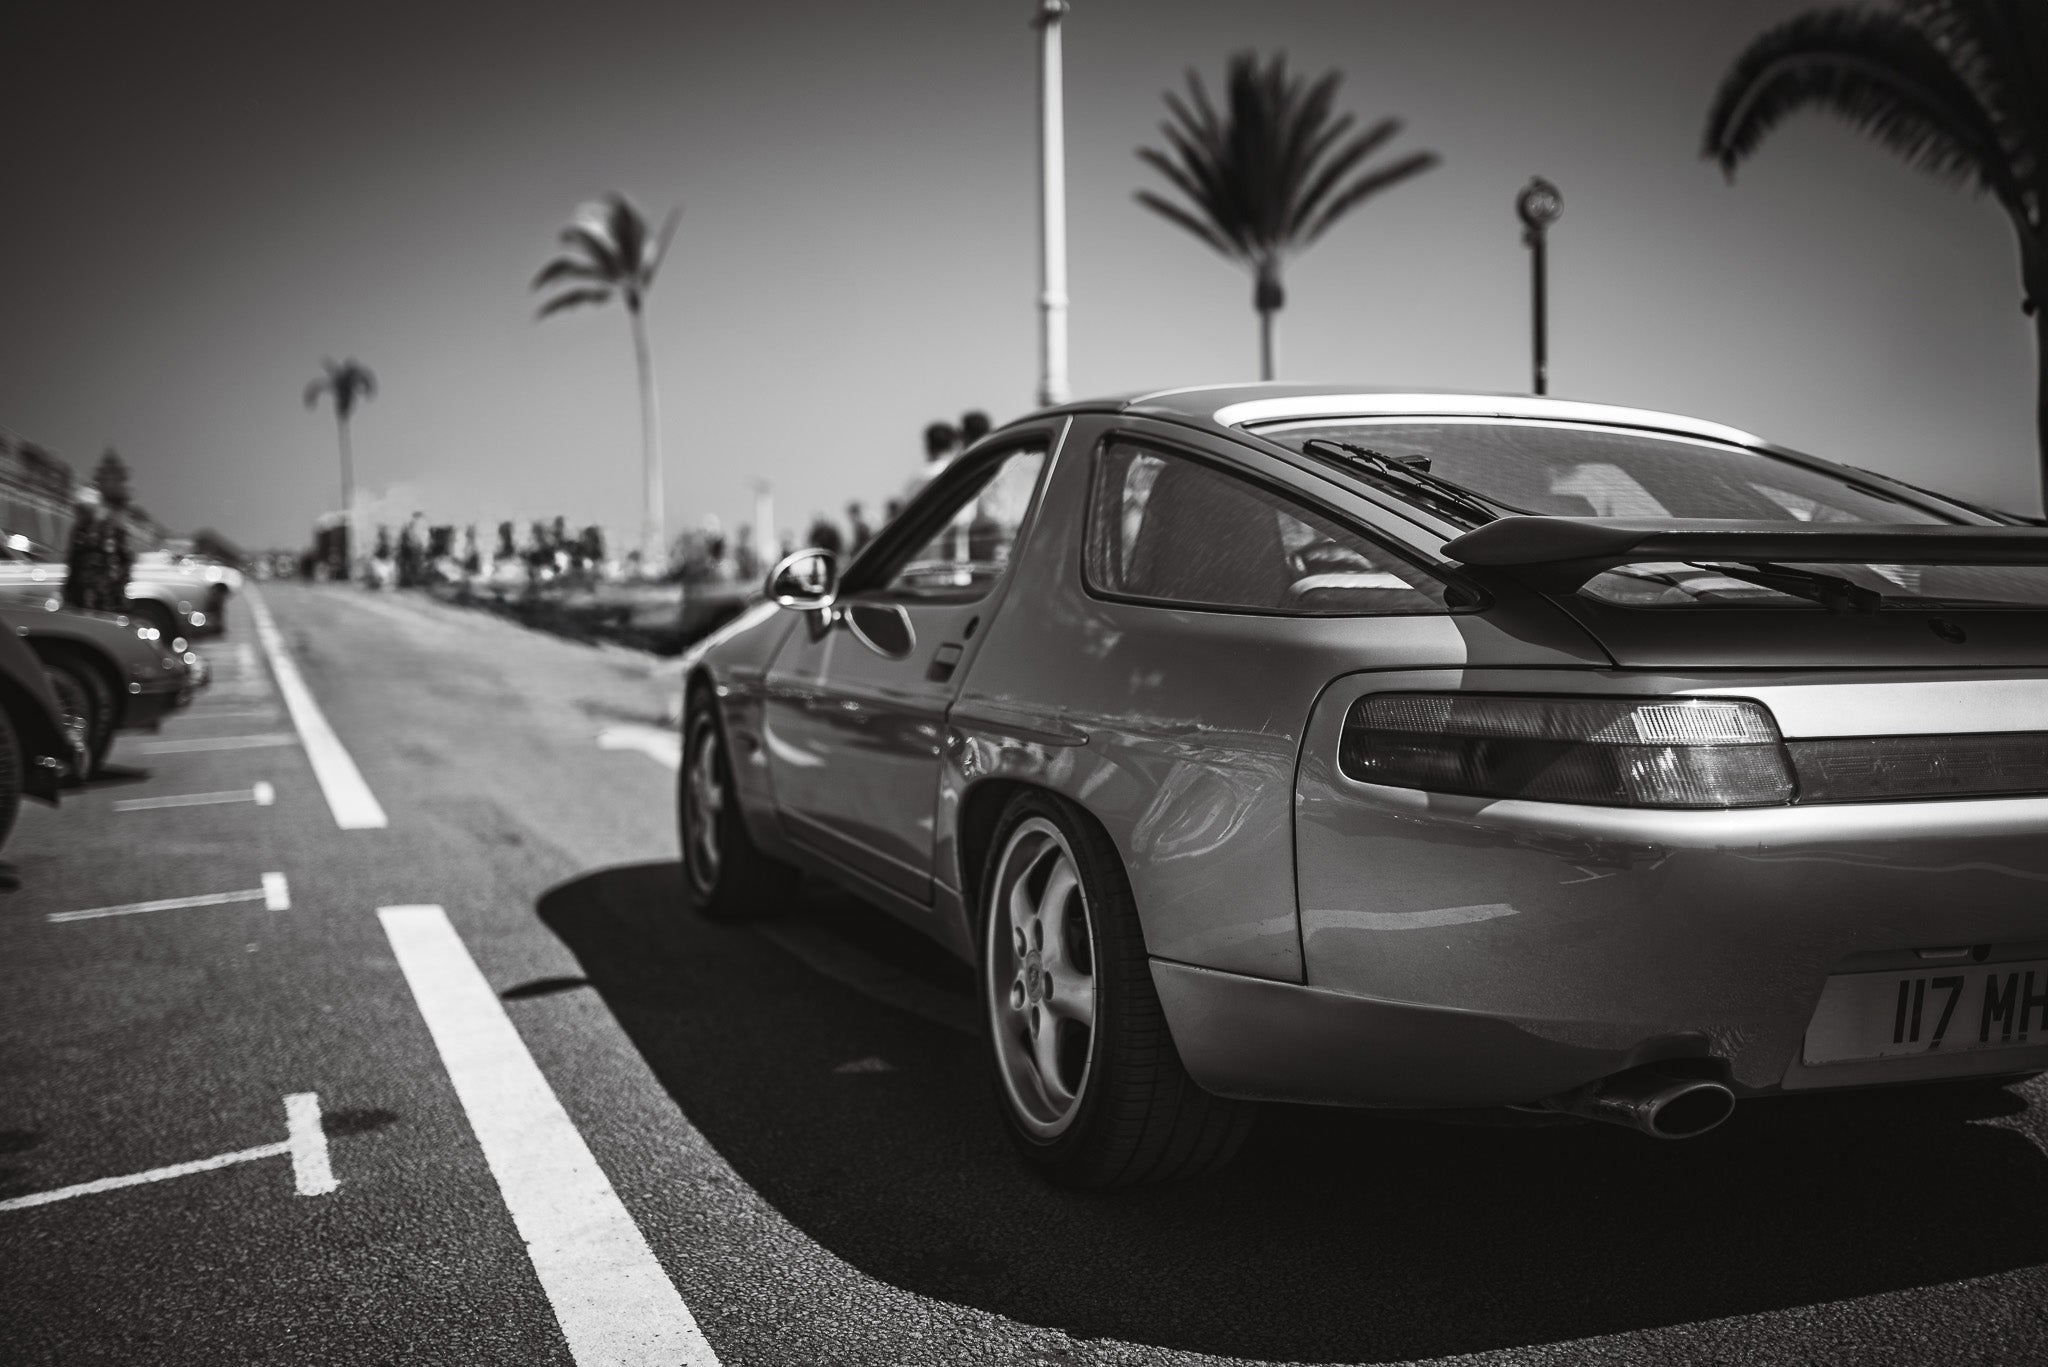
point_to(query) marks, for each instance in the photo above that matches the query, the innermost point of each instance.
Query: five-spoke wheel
(1085, 1067)
(1041, 967)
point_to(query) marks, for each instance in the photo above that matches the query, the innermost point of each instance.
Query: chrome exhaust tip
(1651, 1102)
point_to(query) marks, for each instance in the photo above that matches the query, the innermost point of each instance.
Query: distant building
(38, 497)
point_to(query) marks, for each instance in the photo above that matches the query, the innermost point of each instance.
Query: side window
(965, 557)
(1173, 530)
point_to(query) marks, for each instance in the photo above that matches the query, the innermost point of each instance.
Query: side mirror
(806, 580)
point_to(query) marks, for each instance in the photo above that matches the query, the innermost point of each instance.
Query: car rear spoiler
(1558, 554)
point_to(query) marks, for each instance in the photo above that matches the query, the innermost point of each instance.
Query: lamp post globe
(1539, 204)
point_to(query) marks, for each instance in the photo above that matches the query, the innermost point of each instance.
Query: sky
(203, 200)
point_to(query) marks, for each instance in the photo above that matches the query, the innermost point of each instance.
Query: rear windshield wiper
(1831, 591)
(1409, 475)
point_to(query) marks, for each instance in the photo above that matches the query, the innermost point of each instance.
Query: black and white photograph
(1024, 683)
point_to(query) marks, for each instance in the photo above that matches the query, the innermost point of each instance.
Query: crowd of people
(417, 554)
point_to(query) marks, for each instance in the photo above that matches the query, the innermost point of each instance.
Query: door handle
(945, 660)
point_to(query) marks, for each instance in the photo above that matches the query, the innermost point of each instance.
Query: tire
(725, 876)
(11, 770)
(85, 707)
(1091, 1088)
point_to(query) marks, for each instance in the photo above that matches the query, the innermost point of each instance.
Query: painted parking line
(197, 745)
(305, 1141)
(613, 1301)
(354, 806)
(262, 795)
(275, 895)
(655, 742)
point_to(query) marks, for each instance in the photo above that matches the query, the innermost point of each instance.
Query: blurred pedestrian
(858, 530)
(98, 561)
(825, 536)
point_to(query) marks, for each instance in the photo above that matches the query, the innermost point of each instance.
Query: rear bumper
(1272, 1041)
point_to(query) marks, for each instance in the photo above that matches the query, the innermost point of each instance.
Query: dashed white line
(610, 1295)
(307, 1145)
(354, 806)
(275, 894)
(262, 795)
(311, 1171)
(201, 743)
(657, 743)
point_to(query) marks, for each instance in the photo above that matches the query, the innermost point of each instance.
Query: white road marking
(275, 894)
(245, 658)
(262, 795)
(194, 746)
(314, 1177)
(239, 714)
(613, 1301)
(354, 806)
(655, 742)
(311, 1171)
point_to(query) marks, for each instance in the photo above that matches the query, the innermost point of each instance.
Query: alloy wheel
(1041, 988)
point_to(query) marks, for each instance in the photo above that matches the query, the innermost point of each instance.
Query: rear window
(1565, 469)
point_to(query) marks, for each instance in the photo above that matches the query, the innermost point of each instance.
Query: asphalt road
(792, 1113)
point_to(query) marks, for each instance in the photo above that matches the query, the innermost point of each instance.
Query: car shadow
(1334, 1235)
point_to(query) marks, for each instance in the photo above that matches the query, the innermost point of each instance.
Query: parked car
(183, 599)
(108, 673)
(1408, 750)
(35, 749)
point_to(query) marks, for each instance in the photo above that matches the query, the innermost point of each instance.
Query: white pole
(1052, 204)
(764, 521)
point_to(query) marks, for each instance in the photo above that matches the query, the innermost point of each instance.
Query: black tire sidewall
(12, 771)
(699, 717)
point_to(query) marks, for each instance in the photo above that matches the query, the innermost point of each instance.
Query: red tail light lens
(1608, 752)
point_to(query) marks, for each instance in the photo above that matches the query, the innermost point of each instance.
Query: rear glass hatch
(1903, 603)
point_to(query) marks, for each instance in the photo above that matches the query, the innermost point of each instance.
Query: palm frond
(1174, 213)
(1366, 186)
(1877, 70)
(1273, 168)
(596, 248)
(572, 299)
(662, 239)
(566, 268)
(314, 389)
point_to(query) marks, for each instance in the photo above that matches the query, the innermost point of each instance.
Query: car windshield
(1565, 469)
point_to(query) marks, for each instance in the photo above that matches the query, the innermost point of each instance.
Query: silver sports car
(1409, 750)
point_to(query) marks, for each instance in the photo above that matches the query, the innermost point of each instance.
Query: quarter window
(1168, 529)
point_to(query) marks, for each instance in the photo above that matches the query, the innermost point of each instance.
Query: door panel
(855, 712)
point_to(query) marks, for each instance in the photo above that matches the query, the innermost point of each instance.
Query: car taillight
(1609, 752)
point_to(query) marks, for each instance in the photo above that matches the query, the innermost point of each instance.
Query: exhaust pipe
(1651, 1101)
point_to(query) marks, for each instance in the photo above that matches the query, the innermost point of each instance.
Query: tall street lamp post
(1538, 206)
(1052, 208)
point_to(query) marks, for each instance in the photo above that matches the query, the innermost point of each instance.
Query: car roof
(1229, 406)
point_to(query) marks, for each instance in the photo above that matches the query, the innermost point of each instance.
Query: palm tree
(1959, 88)
(347, 383)
(611, 253)
(1270, 175)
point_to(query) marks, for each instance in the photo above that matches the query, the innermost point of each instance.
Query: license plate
(1932, 1010)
